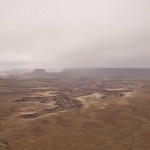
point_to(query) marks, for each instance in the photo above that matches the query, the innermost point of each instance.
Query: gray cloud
(87, 33)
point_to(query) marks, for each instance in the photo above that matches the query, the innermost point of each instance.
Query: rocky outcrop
(112, 94)
(61, 102)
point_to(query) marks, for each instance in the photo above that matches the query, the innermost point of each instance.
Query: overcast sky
(74, 33)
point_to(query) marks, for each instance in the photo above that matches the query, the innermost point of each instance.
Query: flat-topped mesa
(37, 73)
(109, 72)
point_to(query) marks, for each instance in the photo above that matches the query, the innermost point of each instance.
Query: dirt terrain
(74, 113)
